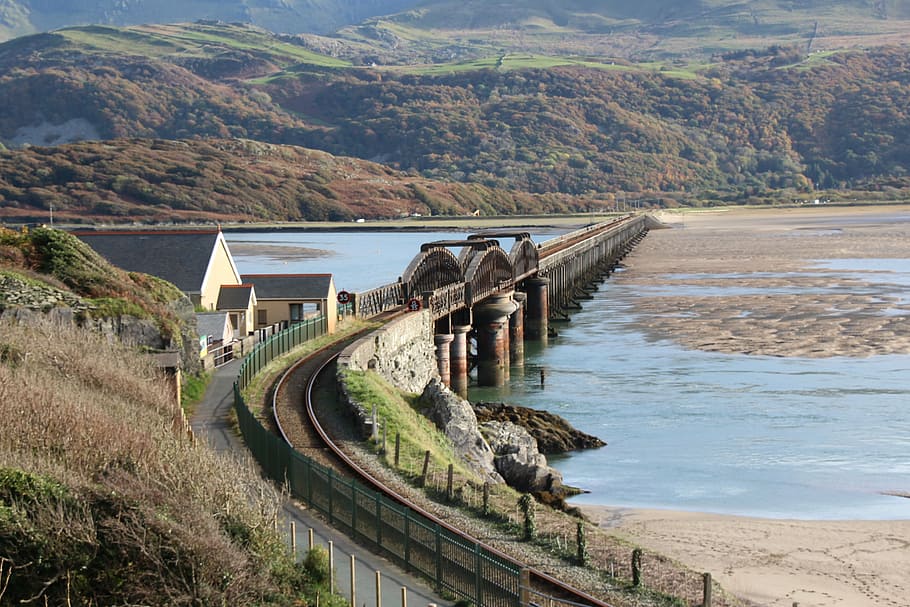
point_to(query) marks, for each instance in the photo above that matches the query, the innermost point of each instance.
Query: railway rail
(302, 429)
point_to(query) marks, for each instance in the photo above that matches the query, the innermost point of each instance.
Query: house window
(296, 312)
(262, 317)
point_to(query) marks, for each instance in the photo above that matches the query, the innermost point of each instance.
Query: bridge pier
(491, 320)
(517, 330)
(459, 366)
(443, 360)
(538, 312)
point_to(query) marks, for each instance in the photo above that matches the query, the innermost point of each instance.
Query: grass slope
(103, 502)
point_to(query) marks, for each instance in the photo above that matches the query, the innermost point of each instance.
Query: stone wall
(402, 352)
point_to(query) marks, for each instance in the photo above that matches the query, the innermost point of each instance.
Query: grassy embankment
(104, 501)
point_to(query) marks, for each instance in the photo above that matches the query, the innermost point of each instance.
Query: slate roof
(234, 297)
(290, 286)
(180, 257)
(213, 324)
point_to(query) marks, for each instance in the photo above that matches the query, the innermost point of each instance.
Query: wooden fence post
(706, 602)
(378, 588)
(331, 567)
(426, 466)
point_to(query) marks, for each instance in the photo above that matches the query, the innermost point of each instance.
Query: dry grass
(103, 500)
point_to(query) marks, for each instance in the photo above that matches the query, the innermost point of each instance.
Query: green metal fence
(454, 564)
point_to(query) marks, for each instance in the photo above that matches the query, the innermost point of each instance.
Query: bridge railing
(474, 295)
(381, 299)
(555, 255)
(581, 233)
(445, 300)
(453, 563)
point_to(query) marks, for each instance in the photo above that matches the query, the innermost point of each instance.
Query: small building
(239, 301)
(215, 328)
(290, 298)
(198, 262)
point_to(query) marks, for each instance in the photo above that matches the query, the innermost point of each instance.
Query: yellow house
(290, 298)
(239, 301)
(198, 262)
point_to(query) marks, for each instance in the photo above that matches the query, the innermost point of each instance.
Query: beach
(784, 304)
(778, 563)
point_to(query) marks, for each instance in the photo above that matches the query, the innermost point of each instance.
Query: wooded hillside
(555, 133)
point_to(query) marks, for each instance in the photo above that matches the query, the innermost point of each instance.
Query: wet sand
(781, 302)
(750, 282)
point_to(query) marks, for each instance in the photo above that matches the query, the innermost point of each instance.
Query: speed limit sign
(344, 297)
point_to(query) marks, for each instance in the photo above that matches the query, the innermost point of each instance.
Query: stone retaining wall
(402, 352)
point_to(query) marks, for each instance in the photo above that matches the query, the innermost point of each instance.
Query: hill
(648, 30)
(104, 502)
(753, 125)
(212, 181)
(21, 17)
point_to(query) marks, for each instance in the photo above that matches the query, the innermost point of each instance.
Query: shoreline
(777, 562)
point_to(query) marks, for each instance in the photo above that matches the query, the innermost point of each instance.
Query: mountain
(418, 30)
(20, 17)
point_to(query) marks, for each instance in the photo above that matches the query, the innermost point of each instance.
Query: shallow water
(726, 433)
(686, 430)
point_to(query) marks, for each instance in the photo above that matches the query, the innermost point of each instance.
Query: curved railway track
(304, 402)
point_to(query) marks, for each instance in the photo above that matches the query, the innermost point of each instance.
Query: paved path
(210, 421)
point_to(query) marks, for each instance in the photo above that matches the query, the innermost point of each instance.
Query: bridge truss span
(488, 272)
(446, 283)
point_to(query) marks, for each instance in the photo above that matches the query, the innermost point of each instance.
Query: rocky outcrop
(24, 300)
(520, 463)
(553, 433)
(455, 417)
(517, 459)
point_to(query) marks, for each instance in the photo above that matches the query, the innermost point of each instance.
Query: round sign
(344, 297)
(413, 304)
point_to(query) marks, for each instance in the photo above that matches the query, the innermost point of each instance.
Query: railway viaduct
(497, 298)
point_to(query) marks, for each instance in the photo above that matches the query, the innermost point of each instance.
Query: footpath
(211, 422)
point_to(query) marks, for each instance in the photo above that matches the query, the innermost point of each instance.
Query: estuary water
(686, 430)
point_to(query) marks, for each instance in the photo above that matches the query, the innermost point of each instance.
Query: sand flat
(749, 281)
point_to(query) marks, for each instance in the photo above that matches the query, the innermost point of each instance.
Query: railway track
(309, 419)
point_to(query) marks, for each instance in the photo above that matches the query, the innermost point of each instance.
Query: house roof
(181, 257)
(290, 286)
(235, 297)
(213, 324)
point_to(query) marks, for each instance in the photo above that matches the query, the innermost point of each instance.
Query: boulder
(523, 467)
(455, 417)
(517, 459)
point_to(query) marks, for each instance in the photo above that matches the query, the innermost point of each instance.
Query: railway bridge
(499, 298)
